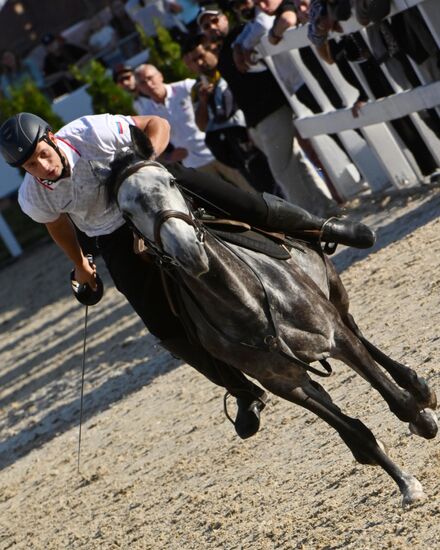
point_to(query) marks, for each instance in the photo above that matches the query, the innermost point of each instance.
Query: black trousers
(140, 283)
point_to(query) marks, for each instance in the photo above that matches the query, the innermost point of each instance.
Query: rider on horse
(62, 189)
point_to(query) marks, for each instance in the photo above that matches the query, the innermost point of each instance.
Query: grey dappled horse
(271, 318)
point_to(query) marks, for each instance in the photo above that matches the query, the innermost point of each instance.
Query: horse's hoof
(425, 425)
(426, 395)
(413, 492)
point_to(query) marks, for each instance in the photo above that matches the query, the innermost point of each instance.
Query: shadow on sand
(388, 233)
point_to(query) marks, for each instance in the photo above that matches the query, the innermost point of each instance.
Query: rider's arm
(63, 233)
(216, 194)
(157, 129)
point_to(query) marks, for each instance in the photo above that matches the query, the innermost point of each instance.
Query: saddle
(275, 245)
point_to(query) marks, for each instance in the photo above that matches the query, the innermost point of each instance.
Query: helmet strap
(66, 167)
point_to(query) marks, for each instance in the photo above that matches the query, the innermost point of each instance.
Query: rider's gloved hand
(86, 284)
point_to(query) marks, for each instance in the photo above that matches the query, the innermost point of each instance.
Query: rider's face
(45, 163)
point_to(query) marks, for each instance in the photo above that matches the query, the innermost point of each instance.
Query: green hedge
(106, 96)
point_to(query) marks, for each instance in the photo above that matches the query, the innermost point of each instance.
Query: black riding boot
(293, 220)
(251, 399)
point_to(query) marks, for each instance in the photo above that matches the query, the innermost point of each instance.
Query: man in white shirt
(173, 102)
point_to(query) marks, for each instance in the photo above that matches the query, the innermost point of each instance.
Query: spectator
(371, 11)
(186, 12)
(103, 42)
(173, 102)
(60, 56)
(407, 35)
(324, 16)
(246, 59)
(352, 48)
(126, 30)
(146, 12)
(217, 114)
(13, 72)
(268, 117)
(124, 77)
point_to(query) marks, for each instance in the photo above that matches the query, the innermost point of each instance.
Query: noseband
(162, 216)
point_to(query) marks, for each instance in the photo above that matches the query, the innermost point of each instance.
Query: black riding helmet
(19, 137)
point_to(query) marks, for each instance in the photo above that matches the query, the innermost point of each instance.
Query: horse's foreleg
(351, 351)
(359, 439)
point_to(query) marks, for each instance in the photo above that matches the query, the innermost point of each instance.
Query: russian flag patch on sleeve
(120, 128)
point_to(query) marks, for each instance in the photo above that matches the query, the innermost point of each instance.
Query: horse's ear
(141, 143)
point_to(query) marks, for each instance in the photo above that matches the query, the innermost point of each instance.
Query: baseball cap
(208, 9)
(121, 68)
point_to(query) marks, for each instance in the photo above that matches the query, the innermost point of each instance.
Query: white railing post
(385, 159)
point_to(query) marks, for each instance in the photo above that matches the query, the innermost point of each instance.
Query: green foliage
(27, 97)
(106, 96)
(165, 54)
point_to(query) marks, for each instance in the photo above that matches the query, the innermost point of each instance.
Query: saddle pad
(252, 241)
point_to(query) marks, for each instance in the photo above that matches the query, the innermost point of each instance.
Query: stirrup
(328, 248)
(225, 408)
(263, 400)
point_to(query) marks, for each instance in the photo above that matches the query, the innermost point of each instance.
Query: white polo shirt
(179, 111)
(90, 144)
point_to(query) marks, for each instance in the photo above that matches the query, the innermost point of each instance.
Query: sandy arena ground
(161, 467)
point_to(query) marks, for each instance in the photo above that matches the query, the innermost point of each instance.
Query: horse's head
(148, 196)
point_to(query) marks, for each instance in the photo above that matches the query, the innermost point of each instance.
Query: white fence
(376, 154)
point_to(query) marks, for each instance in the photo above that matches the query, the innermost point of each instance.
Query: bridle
(156, 245)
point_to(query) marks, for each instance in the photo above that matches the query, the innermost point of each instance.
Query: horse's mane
(122, 160)
(140, 149)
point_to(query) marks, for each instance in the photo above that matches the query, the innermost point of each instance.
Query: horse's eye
(172, 181)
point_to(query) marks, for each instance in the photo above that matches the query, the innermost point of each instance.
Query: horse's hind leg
(404, 376)
(359, 439)
(350, 350)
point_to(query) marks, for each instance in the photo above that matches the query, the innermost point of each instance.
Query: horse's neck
(229, 285)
